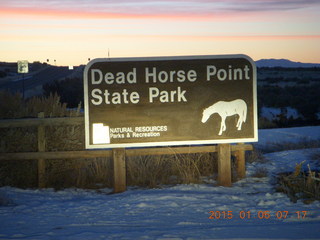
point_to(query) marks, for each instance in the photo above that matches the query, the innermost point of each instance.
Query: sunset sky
(71, 31)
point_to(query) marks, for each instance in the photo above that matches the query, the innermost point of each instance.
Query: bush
(14, 106)
(149, 171)
(70, 90)
(260, 172)
(255, 156)
(82, 173)
(146, 171)
(24, 139)
(300, 184)
(153, 171)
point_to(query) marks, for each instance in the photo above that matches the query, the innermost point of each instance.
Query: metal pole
(23, 87)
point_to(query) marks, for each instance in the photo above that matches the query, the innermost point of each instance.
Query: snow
(287, 135)
(173, 212)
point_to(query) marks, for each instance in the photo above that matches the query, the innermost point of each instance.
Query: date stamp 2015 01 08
(257, 214)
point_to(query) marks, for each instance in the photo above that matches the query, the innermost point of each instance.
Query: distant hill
(284, 63)
(32, 82)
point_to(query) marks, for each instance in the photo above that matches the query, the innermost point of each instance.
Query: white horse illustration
(226, 109)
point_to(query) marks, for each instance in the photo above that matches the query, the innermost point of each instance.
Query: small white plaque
(100, 133)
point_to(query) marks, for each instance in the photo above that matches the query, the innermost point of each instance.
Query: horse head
(205, 115)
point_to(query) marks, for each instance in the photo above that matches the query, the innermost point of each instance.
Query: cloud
(151, 8)
(269, 5)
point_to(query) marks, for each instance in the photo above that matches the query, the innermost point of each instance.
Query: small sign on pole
(162, 101)
(23, 66)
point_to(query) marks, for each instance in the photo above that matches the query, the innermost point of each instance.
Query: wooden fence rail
(118, 155)
(35, 122)
(108, 152)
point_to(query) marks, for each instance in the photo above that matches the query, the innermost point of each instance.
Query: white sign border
(169, 143)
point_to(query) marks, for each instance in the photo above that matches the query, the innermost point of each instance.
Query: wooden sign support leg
(224, 165)
(240, 163)
(119, 170)
(41, 148)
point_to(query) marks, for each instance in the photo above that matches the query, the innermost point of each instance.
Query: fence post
(240, 162)
(224, 164)
(119, 170)
(41, 148)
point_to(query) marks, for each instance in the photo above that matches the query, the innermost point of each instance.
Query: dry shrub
(149, 171)
(18, 139)
(189, 168)
(14, 106)
(70, 137)
(208, 164)
(186, 167)
(82, 173)
(260, 172)
(24, 139)
(51, 106)
(255, 156)
(153, 171)
(300, 184)
(19, 173)
(11, 105)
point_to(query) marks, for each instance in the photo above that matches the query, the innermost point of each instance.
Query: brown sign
(139, 102)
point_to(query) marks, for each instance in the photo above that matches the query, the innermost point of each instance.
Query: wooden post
(119, 170)
(224, 165)
(41, 148)
(240, 162)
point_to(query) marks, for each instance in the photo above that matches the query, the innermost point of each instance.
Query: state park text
(155, 75)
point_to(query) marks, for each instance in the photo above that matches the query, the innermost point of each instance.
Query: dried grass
(146, 171)
(190, 167)
(260, 172)
(24, 173)
(300, 184)
(18, 139)
(186, 166)
(81, 173)
(11, 105)
(71, 138)
(14, 106)
(149, 171)
(153, 171)
(255, 156)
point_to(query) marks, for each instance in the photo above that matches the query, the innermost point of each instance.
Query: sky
(69, 32)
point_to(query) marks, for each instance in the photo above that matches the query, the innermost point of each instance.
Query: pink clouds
(79, 29)
(148, 9)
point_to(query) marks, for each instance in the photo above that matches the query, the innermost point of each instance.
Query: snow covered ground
(251, 209)
(287, 135)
